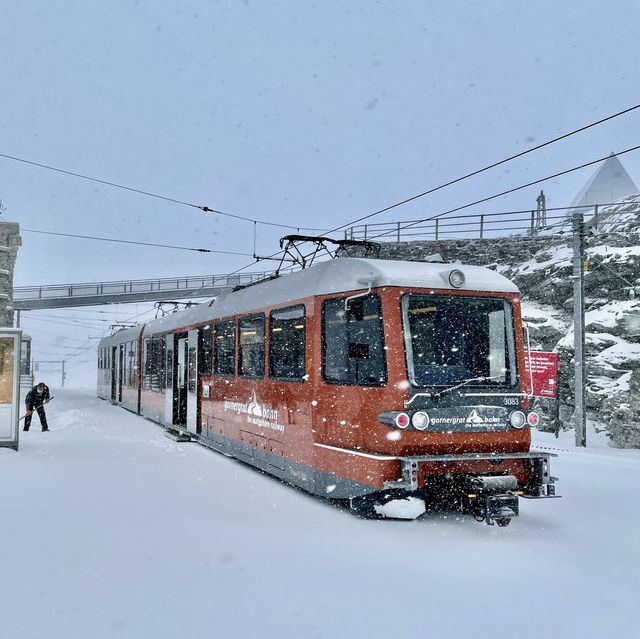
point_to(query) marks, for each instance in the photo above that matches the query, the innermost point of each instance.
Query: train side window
(251, 346)
(224, 338)
(204, 350)
(287, 344)
(352, 342)
(146, 363)
(161, 347)
(134, 359)
(153, 378)
(131, 368)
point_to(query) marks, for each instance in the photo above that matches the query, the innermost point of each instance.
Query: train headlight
(420, 420)
(517, 419)
(533, 419)
(456, 278)
(402, 420)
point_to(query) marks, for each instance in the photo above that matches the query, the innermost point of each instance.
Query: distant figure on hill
(36, 398)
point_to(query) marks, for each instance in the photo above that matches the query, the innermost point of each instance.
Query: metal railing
(171, 285)
(478, 225)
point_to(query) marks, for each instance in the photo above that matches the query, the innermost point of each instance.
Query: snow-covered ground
(111, 530)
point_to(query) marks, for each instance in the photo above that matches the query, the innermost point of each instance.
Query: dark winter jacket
(35, 399)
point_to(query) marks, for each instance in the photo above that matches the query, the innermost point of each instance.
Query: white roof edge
(336, 276)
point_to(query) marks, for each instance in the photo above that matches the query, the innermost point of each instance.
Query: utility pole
(580, 414)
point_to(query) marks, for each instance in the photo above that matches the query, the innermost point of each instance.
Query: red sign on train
(544, 373)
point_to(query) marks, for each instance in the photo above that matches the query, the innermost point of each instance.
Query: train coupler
(493, 499)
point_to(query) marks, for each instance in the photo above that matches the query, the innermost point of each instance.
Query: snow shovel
(36, 407)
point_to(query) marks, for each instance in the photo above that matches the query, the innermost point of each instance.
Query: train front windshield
(452, 339)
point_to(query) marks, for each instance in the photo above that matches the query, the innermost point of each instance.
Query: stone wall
(10, 241)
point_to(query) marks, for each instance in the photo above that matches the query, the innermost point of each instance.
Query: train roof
(123, 335)
(335, 276)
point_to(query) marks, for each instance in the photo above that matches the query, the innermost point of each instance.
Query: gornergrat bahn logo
(474, 418)
(261, 415)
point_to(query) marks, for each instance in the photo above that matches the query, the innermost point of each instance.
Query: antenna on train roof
(119, 327)
(291, 245)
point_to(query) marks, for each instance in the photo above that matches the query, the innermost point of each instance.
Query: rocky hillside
(541, 266)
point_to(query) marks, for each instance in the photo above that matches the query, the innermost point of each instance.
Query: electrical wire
(513, 190)
(507, 192)
(111, 239)
(487, 168)
(206, 209)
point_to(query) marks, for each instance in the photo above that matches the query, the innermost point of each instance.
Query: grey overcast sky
(291, 111)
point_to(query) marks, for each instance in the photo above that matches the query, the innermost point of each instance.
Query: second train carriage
(370, 380)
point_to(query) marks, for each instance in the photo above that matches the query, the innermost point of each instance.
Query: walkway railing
(25, 297)
(475, 226)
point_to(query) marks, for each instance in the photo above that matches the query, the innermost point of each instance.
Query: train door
(120, 371)
(181, 359)
(114, 373)
(192, 382)
(169, 380)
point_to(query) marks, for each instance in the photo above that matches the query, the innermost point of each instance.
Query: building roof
(609, 183)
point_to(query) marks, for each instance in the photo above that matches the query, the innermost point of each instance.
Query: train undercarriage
(489, 497)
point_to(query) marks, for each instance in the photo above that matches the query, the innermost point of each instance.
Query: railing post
(481, 226)
(365, 231)
(533, 222)
(398, 231)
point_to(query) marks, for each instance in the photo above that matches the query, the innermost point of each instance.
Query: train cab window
(286, 344)
(204, 350)
(352, 341)
(452, 339)
(251, 346)
(224, 346)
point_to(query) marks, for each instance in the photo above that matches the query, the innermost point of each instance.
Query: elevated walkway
(27, 298)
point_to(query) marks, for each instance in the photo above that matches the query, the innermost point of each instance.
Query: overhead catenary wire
(487, 168)
(507, 192)
(486, 199)
(111, 239)
(115, 185)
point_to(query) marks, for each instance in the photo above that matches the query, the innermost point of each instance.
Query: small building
(9, 386)
(608, 184)
(26, 365)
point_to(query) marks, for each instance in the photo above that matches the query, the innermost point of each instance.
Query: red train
(388, 383)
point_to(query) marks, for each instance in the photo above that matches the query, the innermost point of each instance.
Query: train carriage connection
(381, 382)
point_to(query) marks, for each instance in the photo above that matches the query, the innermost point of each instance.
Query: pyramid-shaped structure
(609, 183)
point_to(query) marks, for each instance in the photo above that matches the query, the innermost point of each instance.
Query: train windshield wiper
(462, 383)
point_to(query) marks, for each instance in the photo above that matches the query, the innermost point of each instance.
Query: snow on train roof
(336, 276)
(123, 335)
